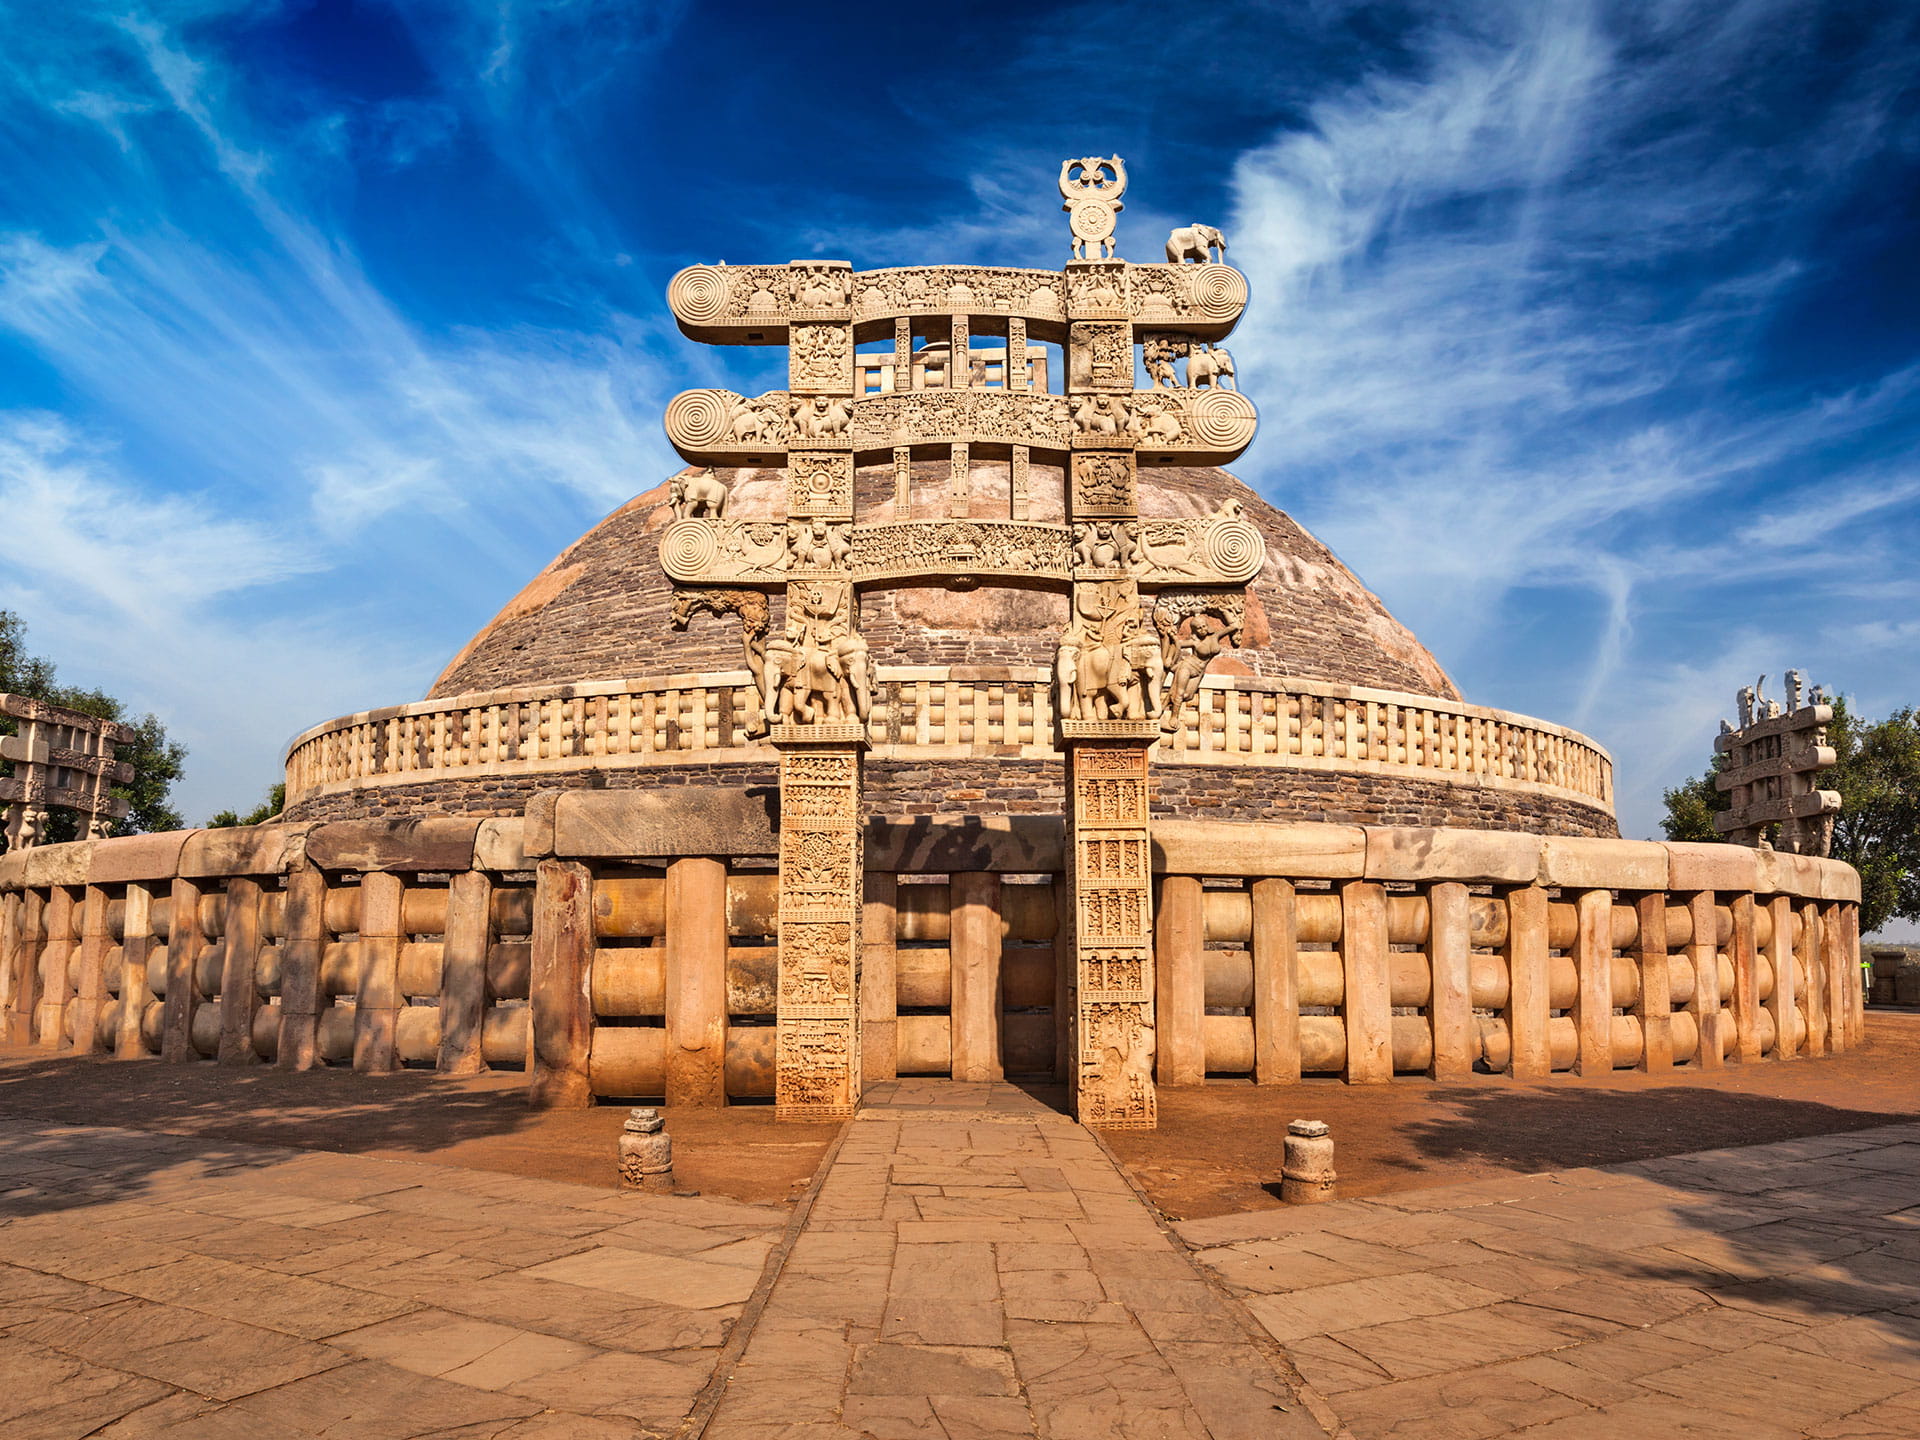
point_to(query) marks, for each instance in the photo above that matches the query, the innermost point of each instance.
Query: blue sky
(1588, 334)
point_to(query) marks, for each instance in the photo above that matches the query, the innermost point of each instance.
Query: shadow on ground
(481, 1123)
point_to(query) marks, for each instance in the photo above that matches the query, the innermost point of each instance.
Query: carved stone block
(1104, 483)
(820, 483)
(1100, 356)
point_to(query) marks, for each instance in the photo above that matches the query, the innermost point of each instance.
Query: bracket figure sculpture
(1772, 768)
(751, 606)
(1108, 665)
(818, 672)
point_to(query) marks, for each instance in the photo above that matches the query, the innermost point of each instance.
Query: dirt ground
(1218, 1147)
(480, 1124)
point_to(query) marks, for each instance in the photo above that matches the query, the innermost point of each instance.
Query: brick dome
(600, 610)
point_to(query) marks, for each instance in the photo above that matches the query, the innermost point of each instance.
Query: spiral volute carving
(697, 419)
(1219, 291)
(1222, 419)
(699, 294)
(689, 549)
(1236, 549)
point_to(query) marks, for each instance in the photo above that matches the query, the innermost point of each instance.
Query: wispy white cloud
(1507, 297)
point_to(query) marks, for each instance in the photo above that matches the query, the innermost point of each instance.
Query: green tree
(275, 802)
(157, 761)
(1877, 774)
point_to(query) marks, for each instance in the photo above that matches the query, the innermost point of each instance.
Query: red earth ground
(1217, 1148)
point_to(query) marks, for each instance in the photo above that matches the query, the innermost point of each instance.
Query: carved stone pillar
(817, 1064)
(1109, 865)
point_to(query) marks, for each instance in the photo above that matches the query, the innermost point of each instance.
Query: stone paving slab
(974, 1265)
(1768, 1291)
(157, 1286)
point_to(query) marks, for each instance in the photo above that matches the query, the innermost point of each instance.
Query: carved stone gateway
(62, 758)
(1151, 599)
(1772, 771)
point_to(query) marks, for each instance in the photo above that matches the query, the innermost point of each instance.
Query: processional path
(973, 1264)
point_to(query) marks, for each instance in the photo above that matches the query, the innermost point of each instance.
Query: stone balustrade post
(696, 976)
(879, 992)
(1364, 961)
(974, 946)
(239, 985)
(1783, 1003)
(303, 942)
(1746, 982)
(1593, 961)
(91, 995)
(559, 1069)
(1276, 982)
(1529, 984)
(184, 938)
(376, 1016)
(468, 939)
(136, 948)
(1654, 1008)
(1179, 978)
(1450, 960)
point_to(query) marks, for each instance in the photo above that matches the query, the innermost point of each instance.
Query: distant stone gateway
(937, 721)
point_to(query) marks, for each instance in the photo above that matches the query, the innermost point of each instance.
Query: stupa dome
(1328, 709)
(600, 610)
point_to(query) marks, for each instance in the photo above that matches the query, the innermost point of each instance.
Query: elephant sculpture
(1195, 242)
(810, 683)
(1208, 366)
(692, 496)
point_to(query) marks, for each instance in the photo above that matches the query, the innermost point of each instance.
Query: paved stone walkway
(974, 1265)
(152, 1286)
(1767, 1292)
(970, 1265)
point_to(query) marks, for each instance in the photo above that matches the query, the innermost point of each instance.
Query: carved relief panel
(820, 359)
(1101, 356)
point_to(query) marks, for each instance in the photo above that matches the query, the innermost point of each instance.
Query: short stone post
(646, 1153)
(1813, 974)
(1837, 963)
(1654, 1008)
(1307, 1176)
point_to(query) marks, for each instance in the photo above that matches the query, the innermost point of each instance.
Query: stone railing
(545, 943)
(940, 712)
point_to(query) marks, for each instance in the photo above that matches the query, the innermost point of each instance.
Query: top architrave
(754, 304)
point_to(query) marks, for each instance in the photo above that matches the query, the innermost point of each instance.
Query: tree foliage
(157, 761)
(275, 802)
(1877, 774)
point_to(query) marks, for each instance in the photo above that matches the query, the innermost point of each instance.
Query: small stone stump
(1306, 1174)
(646, 1153)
